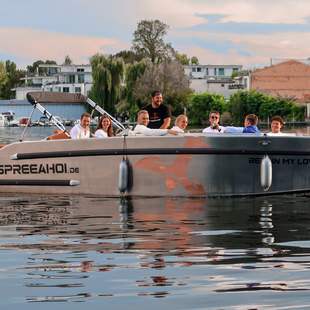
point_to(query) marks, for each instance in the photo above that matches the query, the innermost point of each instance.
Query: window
(198, 69)
(221, 71)
(207, 71)
(71, 78)
(235, 70)
(215, 71)
(78, 89)
(65, 89)
(194, 69)
(80, 69)
(81, 78)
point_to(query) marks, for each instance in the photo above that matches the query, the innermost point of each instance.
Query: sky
(246, 32)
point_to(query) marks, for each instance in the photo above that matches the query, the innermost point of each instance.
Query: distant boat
(3, 121)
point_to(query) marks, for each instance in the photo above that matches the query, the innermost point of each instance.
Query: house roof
(53, 97)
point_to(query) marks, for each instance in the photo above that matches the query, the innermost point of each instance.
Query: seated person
(180, 123)
(104, 128)
(81, 130)
(277, 123)
(141, 127)
(214, 120)
(250, 124)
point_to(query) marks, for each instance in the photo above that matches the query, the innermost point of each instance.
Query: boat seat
(58, 134)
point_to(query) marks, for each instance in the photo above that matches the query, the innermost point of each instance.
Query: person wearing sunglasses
(214, 120)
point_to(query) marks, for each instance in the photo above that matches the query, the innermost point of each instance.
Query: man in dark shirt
(160, 115)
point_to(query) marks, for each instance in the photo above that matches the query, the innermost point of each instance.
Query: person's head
(277, 123)
(85, 120)
(214, 118)
(143, 118)
(157, 98)
(181, 121)
(250, 120)
(105, 124)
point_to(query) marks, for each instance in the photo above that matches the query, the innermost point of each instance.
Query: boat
(188, 165)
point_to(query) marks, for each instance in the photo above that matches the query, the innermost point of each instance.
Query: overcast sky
(247, 32)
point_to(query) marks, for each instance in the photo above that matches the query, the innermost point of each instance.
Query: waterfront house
(57, 78)
(218, 79)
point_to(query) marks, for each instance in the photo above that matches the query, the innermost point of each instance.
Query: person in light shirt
(141, 127)
(214, 120)
(104, 129)
(81, 130)
(180, 124)
(276, 125)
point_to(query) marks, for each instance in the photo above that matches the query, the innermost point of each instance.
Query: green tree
(182, 58)
(3, 78)
(194, 60)
(108, 76)
(13, 80)
(202, 104)
(149, 41)
(129, 104)
(129, 57)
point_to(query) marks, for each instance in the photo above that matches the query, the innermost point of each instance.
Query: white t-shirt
(280, 134)
(100, 133)
(221, 129)
(143, 130)
(177, 129)
(78, 132)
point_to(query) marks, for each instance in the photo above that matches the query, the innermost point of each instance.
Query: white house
(58, 78)
(216, 79)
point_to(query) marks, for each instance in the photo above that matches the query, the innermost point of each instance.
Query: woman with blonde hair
(180, 123)
(104, 128)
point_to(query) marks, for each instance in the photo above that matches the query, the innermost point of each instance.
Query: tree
(3, 77)
(170, 79)
(68, 61)
(182, 59)
(202, 104)
(149, 41)
(129, 104)
(129, 57)
(13, 79)
(108, 76)
(194, 60)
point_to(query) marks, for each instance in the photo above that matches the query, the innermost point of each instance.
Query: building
(57, 78)
(216, 79)
(289, 79)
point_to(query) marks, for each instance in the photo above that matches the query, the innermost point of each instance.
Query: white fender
(266, 173)
(123, 176)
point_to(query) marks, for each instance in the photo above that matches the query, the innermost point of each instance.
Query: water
(80, 252)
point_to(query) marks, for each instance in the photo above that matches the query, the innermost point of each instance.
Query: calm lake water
(80, 252)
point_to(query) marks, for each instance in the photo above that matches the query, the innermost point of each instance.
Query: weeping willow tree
(129, 104)
(108, 76)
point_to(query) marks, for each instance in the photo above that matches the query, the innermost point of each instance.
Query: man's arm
(166, 123)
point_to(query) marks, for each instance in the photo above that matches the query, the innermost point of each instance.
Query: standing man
(160, 115)
(214, 120)
(81, 130)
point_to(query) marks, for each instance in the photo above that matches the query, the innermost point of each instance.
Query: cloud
(31, 45)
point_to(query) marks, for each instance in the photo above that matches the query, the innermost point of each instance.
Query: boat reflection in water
(194, 251)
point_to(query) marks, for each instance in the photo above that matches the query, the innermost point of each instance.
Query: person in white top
(104, 128)
(141, 127)
(81, 130)
(276, 125)
(214, 119)
(180, 124)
